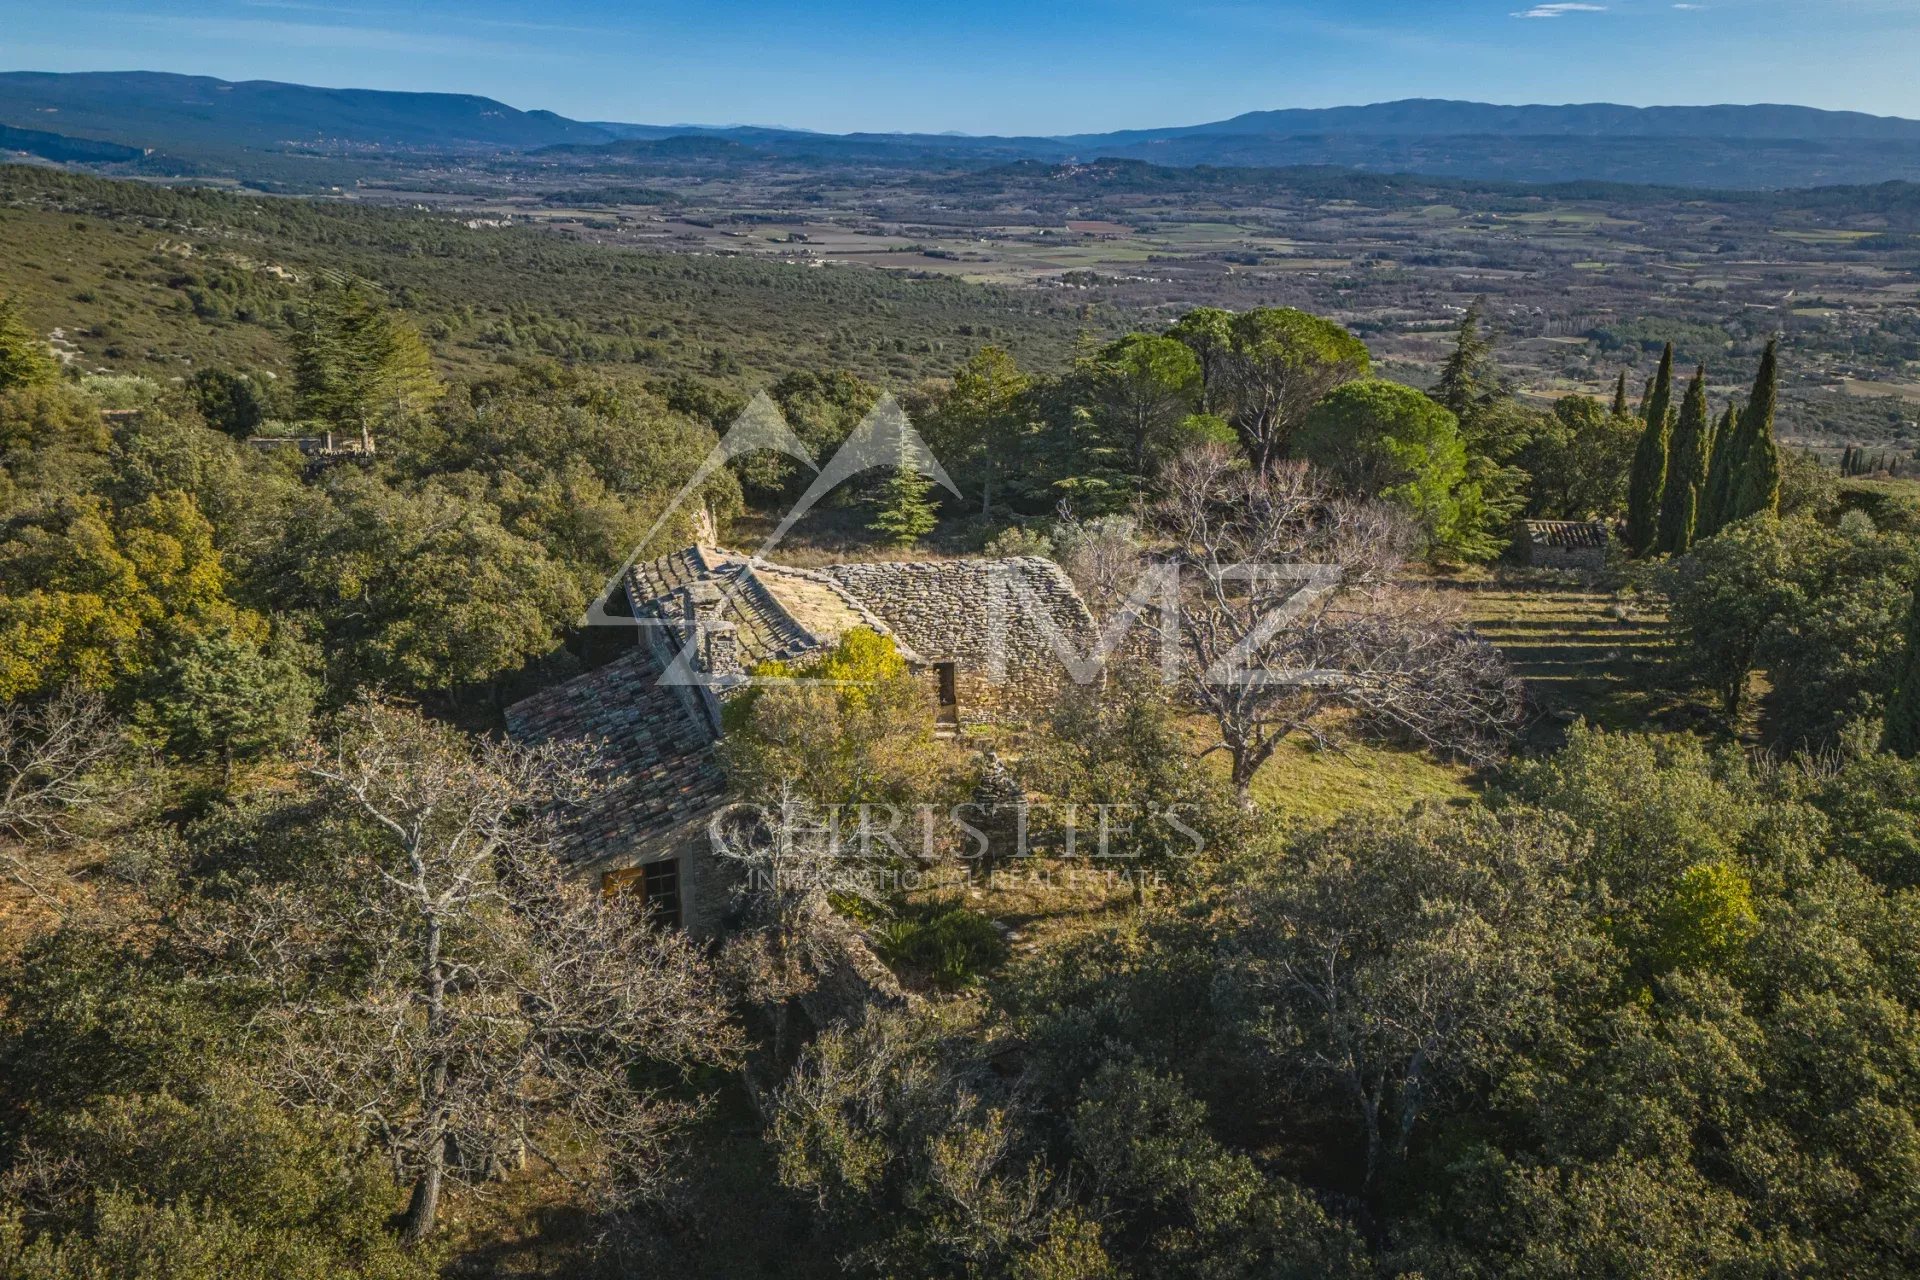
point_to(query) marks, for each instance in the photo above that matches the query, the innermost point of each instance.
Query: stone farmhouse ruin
(1566, 544)
(996, 640)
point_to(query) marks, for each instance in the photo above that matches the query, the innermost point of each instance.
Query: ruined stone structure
(1566, 544)
(1002, 625)
(996, 640)
(328, 445)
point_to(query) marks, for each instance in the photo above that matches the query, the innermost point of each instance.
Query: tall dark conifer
(1648, 480)
(1469, 380)
(1620, 396)
(1713, 502)
(1903, 708)
(1689, 456)
(1754, 485)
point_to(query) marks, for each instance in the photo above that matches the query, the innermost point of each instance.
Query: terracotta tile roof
(1573, 534)
(654, 761)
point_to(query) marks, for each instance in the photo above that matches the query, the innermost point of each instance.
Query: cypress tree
(1690, 454)
(1903, 708)
(1620, 396)
(1713, 501)
(1648, 481)
(1755, 484)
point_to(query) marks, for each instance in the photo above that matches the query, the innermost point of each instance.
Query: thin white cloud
(1558, 10)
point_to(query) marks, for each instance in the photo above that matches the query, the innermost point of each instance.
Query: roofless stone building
(997, 639)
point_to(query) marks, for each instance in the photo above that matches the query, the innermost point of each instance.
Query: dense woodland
(292, 980)
(170, 278)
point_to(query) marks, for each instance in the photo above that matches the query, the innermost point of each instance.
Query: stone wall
(997, 621)
(707, 881)
(1588, 558)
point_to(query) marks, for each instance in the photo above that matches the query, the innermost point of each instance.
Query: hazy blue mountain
(193, 120)
(187, 113)
(1433, 117)
(1721, 146)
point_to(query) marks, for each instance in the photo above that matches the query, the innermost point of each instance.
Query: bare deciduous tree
(795, 953)
(439, 975)
(1288, 620)
(61, 767)
(1101, 555)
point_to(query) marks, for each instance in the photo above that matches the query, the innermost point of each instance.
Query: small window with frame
(656, 886)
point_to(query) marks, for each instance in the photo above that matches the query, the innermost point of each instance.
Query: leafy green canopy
(1274, 365)
(1578, 459)
(1385, 440)
(1903, 708)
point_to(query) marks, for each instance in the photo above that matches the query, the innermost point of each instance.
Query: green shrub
(946, 943)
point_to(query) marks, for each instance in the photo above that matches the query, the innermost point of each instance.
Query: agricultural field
(725, 272)
(1583, 279)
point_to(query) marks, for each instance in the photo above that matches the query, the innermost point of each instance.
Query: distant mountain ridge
(71, 117)
(182, 113)
(1435, 117)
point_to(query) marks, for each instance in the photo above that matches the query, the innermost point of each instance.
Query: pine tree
(1468, 380)
(227, 695)
(1903, 708)
(905, 515)
(1754, 484)
(1648, 481)
(1620, 396)
(1687, 468)
(355, 361)
(25, 358)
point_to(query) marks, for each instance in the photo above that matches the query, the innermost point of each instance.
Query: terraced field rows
(1583, 652)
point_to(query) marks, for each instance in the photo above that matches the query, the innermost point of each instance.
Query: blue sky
(1003, 66)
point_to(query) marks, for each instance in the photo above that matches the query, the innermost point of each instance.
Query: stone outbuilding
(1566, 544)
(996, 639)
